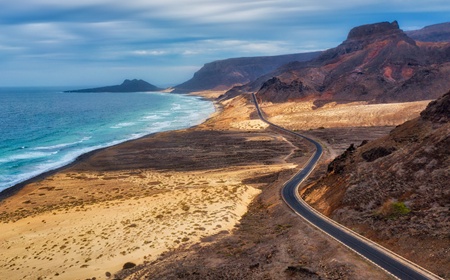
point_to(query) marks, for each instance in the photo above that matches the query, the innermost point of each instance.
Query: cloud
(212, 11)
(158, 34)
(149, 52)
(256, 47)
(211, 47)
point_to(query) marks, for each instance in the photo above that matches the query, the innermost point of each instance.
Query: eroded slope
(395, 190)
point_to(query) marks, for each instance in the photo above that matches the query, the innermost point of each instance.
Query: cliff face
(364, 32)
(438, 111)
(285, 90)
(126, 86)
(224, 74)
(396, 189)
(378, 63)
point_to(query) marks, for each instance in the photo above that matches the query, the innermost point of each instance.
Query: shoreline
(14, 189)
(172, 180)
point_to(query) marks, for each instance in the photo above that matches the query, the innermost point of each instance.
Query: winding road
(390, 262)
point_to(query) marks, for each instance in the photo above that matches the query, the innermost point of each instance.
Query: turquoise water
(43, 128)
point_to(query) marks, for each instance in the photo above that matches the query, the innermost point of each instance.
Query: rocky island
(127, 86)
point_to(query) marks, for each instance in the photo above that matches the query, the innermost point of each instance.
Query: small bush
(399, 208)
(128, 265)
(393, 209)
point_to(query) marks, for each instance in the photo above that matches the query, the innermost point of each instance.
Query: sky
(103, 42)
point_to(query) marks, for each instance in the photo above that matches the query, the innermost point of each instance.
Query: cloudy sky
(102, 42)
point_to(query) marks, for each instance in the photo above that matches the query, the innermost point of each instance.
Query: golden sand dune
(90, 240)
(305, 115)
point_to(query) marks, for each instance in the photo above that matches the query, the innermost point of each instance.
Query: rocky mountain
(126, 86)
(377, 63)
(396, 189)
(432, 33)
(224, 74)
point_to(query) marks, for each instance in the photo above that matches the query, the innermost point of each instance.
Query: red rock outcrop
(377, 63)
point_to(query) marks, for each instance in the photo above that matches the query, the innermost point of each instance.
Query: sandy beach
(131, 202)
(154, 198)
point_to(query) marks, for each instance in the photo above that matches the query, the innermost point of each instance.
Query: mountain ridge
(377, 63)
(433, 33)
(224, 74)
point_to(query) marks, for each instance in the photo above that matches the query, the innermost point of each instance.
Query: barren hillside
(395, 190)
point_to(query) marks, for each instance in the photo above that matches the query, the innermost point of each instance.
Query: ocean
(42, 129)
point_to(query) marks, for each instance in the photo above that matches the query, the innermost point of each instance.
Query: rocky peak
(368, 30)
(135, 83)
(127, 82)
(438, 111)
(362, 36)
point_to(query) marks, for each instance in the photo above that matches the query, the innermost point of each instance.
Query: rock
(274, 90)
(129, 265)
(438, 111)
(375, 29)
(339, 164)
(376, 153)
(298, 269)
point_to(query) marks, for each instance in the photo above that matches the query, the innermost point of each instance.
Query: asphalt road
(401, 269)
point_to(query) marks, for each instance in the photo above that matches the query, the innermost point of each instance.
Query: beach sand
(199, 200)
(88, 240)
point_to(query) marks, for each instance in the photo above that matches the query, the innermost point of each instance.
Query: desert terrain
(394, 190)
(195, 203)
(307, 115)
